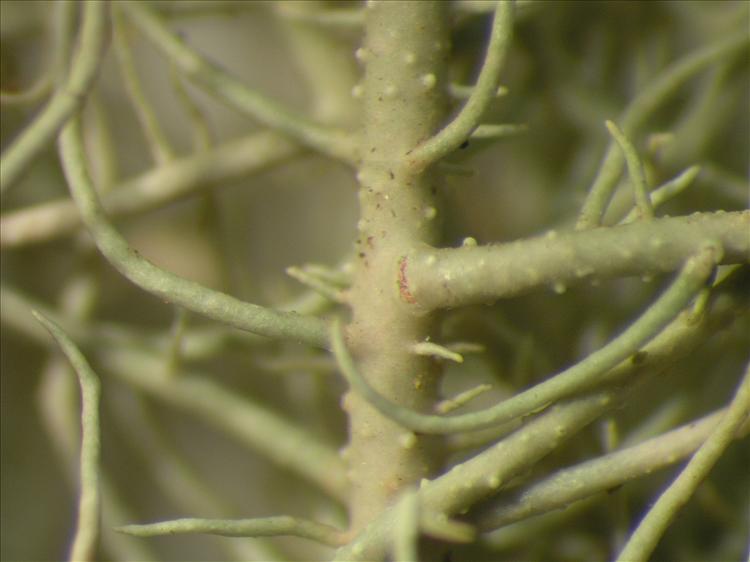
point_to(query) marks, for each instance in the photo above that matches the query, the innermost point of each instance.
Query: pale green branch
(217, 82)
(440, 527)
(669, 81)
(143, 369)
(599, 475)
(581, 375)
(156, 139)
(644, 539)
(666, 191)
(260, 527)
(461, 399)
(499, 131)
(433, 349)
(463, 91)
(406, 532)
(66, 101)
(316, 283)
(87, 527)
(485, 473)
(459, 488)
(153, 189)
(453, 277)
(172, 288)
(197, 344)
(468, 119)
(635, 169)
(339, 275)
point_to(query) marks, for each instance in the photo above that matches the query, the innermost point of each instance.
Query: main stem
(404, 54)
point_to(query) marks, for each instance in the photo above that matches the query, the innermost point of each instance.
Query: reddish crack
(403, 284)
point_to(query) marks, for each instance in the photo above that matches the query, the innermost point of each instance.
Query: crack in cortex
(403, 284)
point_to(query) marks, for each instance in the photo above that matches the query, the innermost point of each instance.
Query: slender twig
(453, 277)
(644, 539)
(599, 475)
(691, 279)
(483, 475)
(635, 169)
(461, 399)
(436, 350)
(153, 189)
(260, 527)
(66, 101)
(172, 288)
(406, 533)
(156, 139)
(666, 191)
(317, 284)
(483, 93)
(259, 428)
(178, 480)
(494, 132)
(222, 85)
(87, 527)
(463, 91)
(638, 111)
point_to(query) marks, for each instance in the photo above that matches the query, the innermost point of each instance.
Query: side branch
(231, 91)
(599, 475)
(479, 274)
(666, 85)
(576, 378)
(168, 286)
(261, 527)
(644, 539)
(260, 429)
(485, 474)
(66, 101)
(485, 90)
(153, 189)
(89, 503)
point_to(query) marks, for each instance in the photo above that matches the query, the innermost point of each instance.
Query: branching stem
(635, 169)
(454, 277)
(166, 285)
(87, 529)
(641, 107)
(153, 189)
(66, 101)
(260, 527)
(231, 91)
(601, 474)
(691, 279)
(644, 539)
(483, 93)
